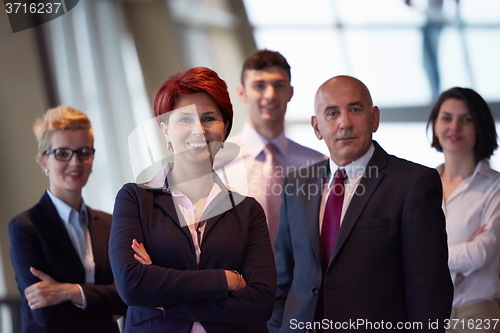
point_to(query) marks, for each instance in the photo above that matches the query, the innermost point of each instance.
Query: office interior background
(106, 58)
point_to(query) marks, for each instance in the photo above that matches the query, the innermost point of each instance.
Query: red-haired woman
(209, 265)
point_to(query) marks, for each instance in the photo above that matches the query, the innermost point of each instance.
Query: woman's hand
(49, 292)
(141, 255)
(235, 281)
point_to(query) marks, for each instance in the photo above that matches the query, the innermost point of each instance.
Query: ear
(226, 126)
(164, 129)
(376, 118)
(291, 94)
(240, 91)
(42, 162)
(314, 124)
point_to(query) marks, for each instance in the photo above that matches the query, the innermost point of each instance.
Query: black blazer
(39, 239)
(236, 239)
(390, 261)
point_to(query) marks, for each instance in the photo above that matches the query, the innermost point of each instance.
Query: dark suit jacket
(236, 239)
(39, 239)
(389, 262)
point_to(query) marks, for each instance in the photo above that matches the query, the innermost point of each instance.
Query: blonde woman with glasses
(59, 246)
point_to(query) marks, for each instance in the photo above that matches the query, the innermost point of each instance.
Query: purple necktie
(273, 182)
(331, 217)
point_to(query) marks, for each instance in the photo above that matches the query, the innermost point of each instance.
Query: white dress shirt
(244, 172)
(354, 172)
(474, 264)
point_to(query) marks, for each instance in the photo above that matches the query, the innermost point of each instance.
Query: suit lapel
(313, 204)
(369, 183)
(99, 234)
(219, 210)
(166, 203)
(50, 220)
(162, 197)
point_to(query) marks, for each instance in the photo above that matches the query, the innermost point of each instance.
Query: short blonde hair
(60, 118)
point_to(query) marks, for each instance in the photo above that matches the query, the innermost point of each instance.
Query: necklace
(195, 204)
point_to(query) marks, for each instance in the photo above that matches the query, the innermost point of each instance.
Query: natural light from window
(381, 43)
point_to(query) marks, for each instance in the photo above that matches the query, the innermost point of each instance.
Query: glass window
(289, 13)
(405, 54)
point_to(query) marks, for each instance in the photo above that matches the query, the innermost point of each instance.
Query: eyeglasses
(66, 154)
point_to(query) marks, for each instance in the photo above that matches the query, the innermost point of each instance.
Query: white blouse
(474, 264)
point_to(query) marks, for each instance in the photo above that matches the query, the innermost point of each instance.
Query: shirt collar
(217, 193)
(216, 189)
(159, 181)
(258, 142)
(482, 168)
(64, 210)
(354, 170)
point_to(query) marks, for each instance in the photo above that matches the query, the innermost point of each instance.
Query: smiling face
(345, 118)
(454, 128)
(266, 93)
(67, 178)
(195, 129)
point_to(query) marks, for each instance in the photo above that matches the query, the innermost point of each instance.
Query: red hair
(195, 80)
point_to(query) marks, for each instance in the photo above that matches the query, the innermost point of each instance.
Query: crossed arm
(48, 292)
(235, 281)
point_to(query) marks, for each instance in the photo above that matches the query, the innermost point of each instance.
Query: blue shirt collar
(64, 210)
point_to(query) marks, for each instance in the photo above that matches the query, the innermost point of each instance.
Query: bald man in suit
(387, 269)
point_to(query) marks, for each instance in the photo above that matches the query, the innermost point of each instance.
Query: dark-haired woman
(464, 130)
